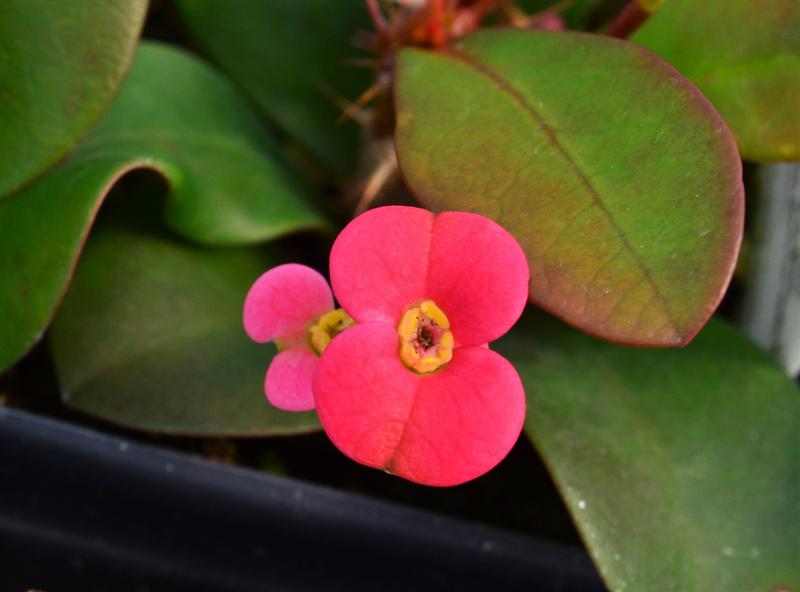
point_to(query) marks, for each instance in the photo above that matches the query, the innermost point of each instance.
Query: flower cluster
(401, 376)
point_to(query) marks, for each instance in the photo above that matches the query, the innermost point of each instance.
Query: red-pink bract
(451, 425)
(391, 258)
(289, 378)
(283, 301)
(281, 305)
(439, 429)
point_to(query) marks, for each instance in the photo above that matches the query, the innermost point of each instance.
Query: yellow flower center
(426, 342)
(327, 327)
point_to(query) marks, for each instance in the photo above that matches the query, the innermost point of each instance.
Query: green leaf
(178, 117)
(181, 118)
(678, 466)
(618, 178)
(150, 336)
(745, 56)
(291, 58)
(61, 64)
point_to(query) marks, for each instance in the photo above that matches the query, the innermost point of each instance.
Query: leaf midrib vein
(507, 87)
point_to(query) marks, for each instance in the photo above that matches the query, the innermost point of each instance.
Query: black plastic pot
(80, 510)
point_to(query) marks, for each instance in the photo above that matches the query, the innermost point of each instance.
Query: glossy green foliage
(745, 56)
(679, 467)
(60, 65)
(150, 335)
(293, 60)
(618, 178)
(227, 185)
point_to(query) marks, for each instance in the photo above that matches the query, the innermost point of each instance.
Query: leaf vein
(484, 69)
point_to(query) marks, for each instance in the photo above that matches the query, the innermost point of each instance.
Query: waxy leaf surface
(679, 467)
(292, 58)
(173, 115)
(745, 57)
(150, 336)
(619, 179)
(61, 64)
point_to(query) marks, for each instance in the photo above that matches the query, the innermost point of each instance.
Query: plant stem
(633, 16)
(376, 16)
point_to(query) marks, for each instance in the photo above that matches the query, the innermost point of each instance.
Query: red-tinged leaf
(745, 56)
(619, 179)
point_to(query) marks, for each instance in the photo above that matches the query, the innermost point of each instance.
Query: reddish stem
(633, 16)
(376, 16)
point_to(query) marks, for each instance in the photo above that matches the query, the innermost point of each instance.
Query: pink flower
(292, 305)
(412, 388)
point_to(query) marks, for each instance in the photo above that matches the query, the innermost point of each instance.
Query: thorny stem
(384, 172)
(356, 107)
(376, 16)
(343, 104)
(426, 23)
(633, 16)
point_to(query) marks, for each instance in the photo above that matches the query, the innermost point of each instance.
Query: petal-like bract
(379, 263)
(436, 429)
(478, 275)
(391, 258)
(289, 379)
(284, 301)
